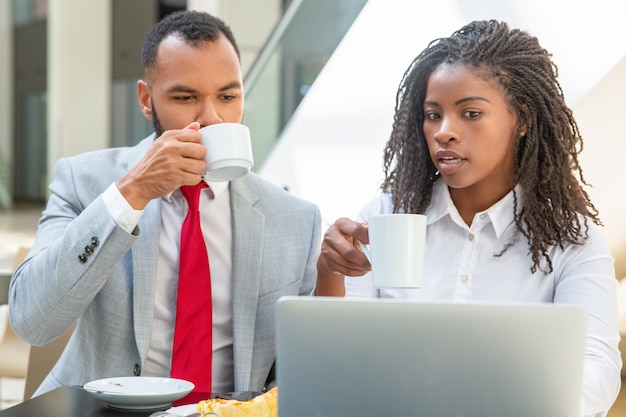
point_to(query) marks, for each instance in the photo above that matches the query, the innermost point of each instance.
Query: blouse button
(464, 279)
(470, 237)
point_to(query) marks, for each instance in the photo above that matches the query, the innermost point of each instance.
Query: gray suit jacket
(276, 239)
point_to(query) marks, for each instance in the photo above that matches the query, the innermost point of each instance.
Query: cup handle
(366, 250)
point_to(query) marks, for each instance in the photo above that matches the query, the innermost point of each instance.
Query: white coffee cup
(396, 249)
(229, 151)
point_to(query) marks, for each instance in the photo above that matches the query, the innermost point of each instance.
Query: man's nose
(209, 115)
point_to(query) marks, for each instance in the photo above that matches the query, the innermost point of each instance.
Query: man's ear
(144, 99)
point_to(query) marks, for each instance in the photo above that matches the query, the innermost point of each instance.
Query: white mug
(229, 151)
(396, 249)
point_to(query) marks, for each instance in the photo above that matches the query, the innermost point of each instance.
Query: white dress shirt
(217, 232)
(460, 265)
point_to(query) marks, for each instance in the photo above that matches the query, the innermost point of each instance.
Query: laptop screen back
(366, 358)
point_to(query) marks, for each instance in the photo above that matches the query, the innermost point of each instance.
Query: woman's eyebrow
(456, 103)
(471, 98)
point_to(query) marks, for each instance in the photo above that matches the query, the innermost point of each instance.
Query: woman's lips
(449, 162)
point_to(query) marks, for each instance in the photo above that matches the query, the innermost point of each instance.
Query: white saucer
(139, 393)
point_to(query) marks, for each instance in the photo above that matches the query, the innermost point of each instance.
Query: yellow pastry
(264, 405)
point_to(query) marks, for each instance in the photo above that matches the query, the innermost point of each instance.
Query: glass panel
(30, 111)
(129, 125)
(131, 21)
(295, 54)
(27, 11)
(31, 173)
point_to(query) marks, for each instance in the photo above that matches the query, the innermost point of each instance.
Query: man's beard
(158, 129)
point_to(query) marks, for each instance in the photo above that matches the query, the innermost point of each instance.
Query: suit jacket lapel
(144, 258)
(248, 231)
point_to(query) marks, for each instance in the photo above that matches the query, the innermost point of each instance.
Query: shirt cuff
(122, 213)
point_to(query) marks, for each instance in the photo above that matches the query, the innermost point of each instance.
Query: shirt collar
(215, 189)
(500, 214)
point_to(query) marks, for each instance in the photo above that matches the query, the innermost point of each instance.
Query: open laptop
(387, 358)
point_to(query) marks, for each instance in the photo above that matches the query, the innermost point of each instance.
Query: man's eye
(183, 98)
(228, 98)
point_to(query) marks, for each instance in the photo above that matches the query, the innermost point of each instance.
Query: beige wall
(79, 77)
(600, 115)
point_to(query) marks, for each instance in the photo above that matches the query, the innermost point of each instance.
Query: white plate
(139, 393)
(183, 410)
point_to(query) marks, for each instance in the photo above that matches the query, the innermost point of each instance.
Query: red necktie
(193, 347)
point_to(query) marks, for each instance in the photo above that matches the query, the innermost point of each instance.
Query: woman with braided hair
(485, 146)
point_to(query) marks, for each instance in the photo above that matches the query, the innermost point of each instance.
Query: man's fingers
(192, 126)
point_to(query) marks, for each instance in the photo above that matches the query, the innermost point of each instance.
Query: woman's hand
(341, 255)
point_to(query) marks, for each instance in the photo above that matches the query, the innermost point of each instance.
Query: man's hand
(175, 158)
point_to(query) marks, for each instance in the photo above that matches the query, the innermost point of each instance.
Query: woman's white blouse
(466, 264)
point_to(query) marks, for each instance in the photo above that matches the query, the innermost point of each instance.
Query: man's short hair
(192, 26)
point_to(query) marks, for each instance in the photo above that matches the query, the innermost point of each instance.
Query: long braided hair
(555, 208)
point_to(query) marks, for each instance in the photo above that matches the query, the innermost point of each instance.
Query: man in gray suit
(106, 251)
